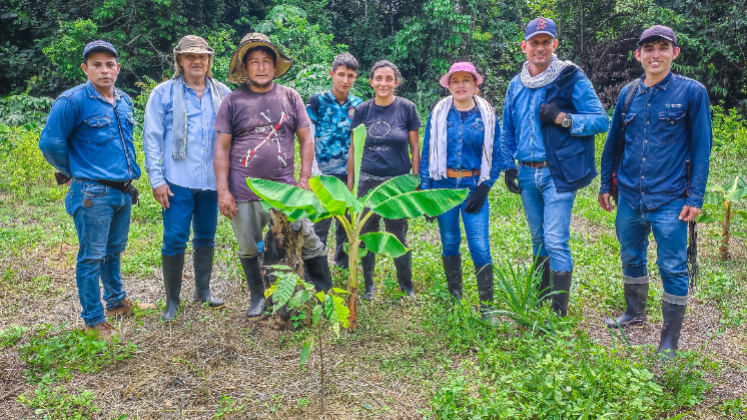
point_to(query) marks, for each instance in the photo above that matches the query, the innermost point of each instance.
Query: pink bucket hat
(461, 66)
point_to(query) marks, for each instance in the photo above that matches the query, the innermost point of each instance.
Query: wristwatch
(567, 121)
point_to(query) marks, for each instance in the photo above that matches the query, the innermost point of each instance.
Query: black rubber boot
(172, 266)
(674, 316)
(202, 259)
(544, 286)
(485, 291)
(635, 298)
(403, 265)
(256, 286)
(561, 282)
(453, 271)
(368, 265)
(317, 270)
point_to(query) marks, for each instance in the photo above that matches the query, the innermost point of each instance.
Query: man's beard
(259, 85)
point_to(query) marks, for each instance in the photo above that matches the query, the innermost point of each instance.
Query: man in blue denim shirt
(331, 113)
(668, 124)
(179, 143)
(550, 117)
(88, 137)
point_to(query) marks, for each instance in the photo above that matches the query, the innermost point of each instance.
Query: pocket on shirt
(572, 161)
(629, 120)
(670, 128)
(99, 131)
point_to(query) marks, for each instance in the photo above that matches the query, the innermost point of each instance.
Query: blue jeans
(189, 207)
(102, 219)
(476, 226)
(548, 214)
(633, 225)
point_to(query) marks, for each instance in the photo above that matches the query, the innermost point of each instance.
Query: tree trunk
(725, 235)
(283, 246)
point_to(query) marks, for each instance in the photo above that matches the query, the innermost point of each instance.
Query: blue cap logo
(540, 25)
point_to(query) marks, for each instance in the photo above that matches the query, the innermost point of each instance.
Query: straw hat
(237, 72)
(195, 45)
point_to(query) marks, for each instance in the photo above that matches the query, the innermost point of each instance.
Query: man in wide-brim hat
(179, 144)
(256, 125)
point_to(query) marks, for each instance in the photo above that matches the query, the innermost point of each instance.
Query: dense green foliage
(42, 41)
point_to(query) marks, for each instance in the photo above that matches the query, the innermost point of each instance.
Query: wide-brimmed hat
(461, 66)
(237, 72)
(195, 45)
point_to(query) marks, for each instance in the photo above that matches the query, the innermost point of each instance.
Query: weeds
(56, 403)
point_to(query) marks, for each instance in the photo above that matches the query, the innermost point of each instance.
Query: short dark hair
(267, 50)
(98, 50)
(345, 59)
(386, 63)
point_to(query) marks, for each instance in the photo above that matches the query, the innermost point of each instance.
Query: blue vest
(571, 159)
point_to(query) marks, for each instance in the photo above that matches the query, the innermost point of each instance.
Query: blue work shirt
(464, 145)
(331, 124)
(521, 123)
(196, 169)
(88, 137)
(666, 125)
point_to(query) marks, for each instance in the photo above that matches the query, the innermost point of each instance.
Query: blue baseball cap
(541, 25)
(99, 46)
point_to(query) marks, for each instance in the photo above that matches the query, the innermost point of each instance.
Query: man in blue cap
(550, 117)
(89, 139)
(656, 158)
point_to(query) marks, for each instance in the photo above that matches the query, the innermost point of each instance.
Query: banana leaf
(390, 188)
(334, 195)
(417, 203)
(384, 243)
(294, 202)
(359, 140)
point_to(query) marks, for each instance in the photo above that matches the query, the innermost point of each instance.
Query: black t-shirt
(386, 152)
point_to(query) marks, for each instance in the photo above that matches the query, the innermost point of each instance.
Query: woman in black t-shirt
(392, 124)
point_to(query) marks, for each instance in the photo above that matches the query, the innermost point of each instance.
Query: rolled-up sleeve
(700, 136)
(590, 118)
(53, 139)
(153, 129)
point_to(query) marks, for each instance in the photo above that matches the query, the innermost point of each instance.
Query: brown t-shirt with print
(250, 117)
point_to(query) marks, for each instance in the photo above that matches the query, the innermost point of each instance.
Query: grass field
(429, 359)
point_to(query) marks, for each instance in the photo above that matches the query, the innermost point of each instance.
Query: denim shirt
(196, 169)
(464, 145)
(86, 137)
(666, 125)
(522, 130)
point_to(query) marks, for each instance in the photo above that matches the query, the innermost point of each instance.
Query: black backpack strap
(620, 146)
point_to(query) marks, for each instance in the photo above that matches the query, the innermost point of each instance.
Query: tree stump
(283, 246)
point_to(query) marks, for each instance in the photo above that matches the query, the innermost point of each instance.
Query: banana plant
(397, 198)
(724, 196)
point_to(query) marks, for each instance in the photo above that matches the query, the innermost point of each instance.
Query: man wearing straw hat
(256, 127)
(179, 143)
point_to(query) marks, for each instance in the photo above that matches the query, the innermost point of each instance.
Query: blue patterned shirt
(331, 122)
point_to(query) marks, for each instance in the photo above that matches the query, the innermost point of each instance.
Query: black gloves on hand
(548, 113)
(476, 200)
(511, 183)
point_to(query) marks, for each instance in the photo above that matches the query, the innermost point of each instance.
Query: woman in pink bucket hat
(461, 149)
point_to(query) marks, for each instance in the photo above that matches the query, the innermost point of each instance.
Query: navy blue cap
(541, 26)
(658, 31)
(99, 45)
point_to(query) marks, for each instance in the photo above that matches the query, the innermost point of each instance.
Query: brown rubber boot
(103, 331)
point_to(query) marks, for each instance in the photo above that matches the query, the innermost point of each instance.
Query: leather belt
(117, 185)
(461, 173)
(535, 164)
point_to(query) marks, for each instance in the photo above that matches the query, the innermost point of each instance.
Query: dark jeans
(102, 219)
(193, 208)
(321, 228)
(397, 227)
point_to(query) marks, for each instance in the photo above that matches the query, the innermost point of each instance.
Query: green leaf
(338, 290)
(715, 188)
(681, 416)
(306, 351)
(741, 213)
(738, 183)
(705, 219)
(713, 198)
(342, 311)
(331, 312)
(391, 188)
(294, 202)
(384, 243)
(334, 195)
(417, 203)
(362, 252)
(736, 195)
(359, 140)
(301, 297)
(315, 314)
(738, 234)
(286, 284)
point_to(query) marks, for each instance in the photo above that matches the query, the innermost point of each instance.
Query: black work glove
(476, 200)
(548, 113)
(511, 183)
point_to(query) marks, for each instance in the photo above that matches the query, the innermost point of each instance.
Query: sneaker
(102, 330)
(127, 308)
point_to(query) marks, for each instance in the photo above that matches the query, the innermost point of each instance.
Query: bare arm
(221, 164)
(306, 141)
(415, 151)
